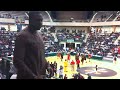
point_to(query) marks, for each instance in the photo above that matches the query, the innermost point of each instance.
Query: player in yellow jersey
(65, 65)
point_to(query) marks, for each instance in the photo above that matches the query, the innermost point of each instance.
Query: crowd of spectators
(97, 44)
(10, 16)
(47, 37)
(7, 41)
(103, 16)
(49, 41)
(61, 35)
(64, 34)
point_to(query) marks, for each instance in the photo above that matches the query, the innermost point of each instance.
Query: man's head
(35, 20)
(79, 73)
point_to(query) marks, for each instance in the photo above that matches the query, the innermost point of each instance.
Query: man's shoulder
(22, 33)
(39, 33)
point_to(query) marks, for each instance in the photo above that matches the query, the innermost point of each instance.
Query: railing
(5, 66)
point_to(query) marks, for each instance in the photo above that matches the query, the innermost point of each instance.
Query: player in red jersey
(78, 63)
(72, 65)
(58, 55)
(68, 57)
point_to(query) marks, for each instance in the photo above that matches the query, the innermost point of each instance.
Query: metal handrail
(7, 59)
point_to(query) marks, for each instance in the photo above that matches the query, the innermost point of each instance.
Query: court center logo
(101, 72)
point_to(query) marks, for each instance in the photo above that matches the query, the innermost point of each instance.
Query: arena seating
(104, 15)
(96, 43)
(7, 40)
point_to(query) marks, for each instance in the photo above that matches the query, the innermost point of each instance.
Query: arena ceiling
(59, 15)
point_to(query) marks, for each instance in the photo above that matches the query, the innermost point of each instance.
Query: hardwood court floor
(101, 64)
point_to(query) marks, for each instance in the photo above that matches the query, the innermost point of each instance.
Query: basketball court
(106, 70)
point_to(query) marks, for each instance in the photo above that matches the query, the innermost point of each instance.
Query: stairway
(86, 37)
(55, 37)
(116, 41)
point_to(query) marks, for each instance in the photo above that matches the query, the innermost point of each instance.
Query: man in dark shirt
(61, 56)
(29, 53)
(89, 76)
